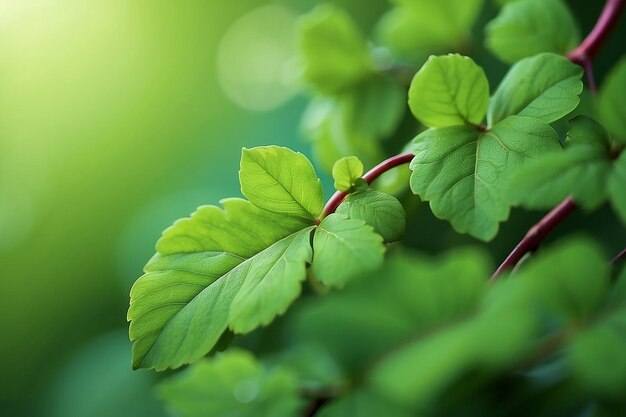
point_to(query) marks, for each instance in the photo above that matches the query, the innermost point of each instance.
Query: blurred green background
(116, 118)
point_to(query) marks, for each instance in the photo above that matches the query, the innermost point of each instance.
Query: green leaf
(442, 25)
(617, 186)
(381, 211)
(545, 87)
(612, 103)
(581, 171)
(333, 52)
(346, 171)
(344, 249)
(412, 294)
(232, 384)
(364, 403)
(449, 90)
(235, 268)
(462, 171)
(527, 27)
(282, 181)
(507, 327)
(184, 302)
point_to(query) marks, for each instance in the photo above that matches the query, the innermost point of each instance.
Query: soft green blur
(113, 123)
(116, 118)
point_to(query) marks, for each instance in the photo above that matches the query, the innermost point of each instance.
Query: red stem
(583, 55)
(589, 47)
(536, 235)
(371, 175)
(619, 257)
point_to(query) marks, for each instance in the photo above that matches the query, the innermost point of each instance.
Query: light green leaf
(545, 86)
(381, 211)
(581, 171)
(344, 249)
(232, 384)
(612, 102)
(461, 171)
(442, 25)
(449, 90)
(333, 52)
(617, 186)
(527, 27)
(346, 171)
(282, 181)
(184, 302)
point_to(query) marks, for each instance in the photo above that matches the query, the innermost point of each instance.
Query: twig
(620, 257)
(536, 235)
(589, 47)
(369, 177)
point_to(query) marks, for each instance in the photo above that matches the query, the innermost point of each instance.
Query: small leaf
(545, 87)
(612, 102)
(617, 186)
(345, 248)
(282, 181)
(381, 211)
(527, 27)
(461, 171)
(346, 171)
(232, 384)
(581, 171)
(334, 54)
(449, 90)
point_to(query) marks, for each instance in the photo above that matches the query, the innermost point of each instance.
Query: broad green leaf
(282, 181)
(333, 52)
(612, 102)
(462, 171)
(581, 171)
(346, 171)
(617, 186)
(527, 27)
(344, 249)
(442, 25)
(184, 302)
(232, 384)
(381, 211)
(449, 90)
(545, 87)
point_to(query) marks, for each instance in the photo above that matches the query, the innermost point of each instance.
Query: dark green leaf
(545, 86)
(462, 171)
(581, 171)
(617, 186)
(381, 211)
(612, 102)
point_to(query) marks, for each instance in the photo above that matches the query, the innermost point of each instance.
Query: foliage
(375, 328)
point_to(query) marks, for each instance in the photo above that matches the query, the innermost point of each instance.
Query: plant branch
(536, 235)
(620, 257)
(369, 177)
(583, 55)
(589, 47)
